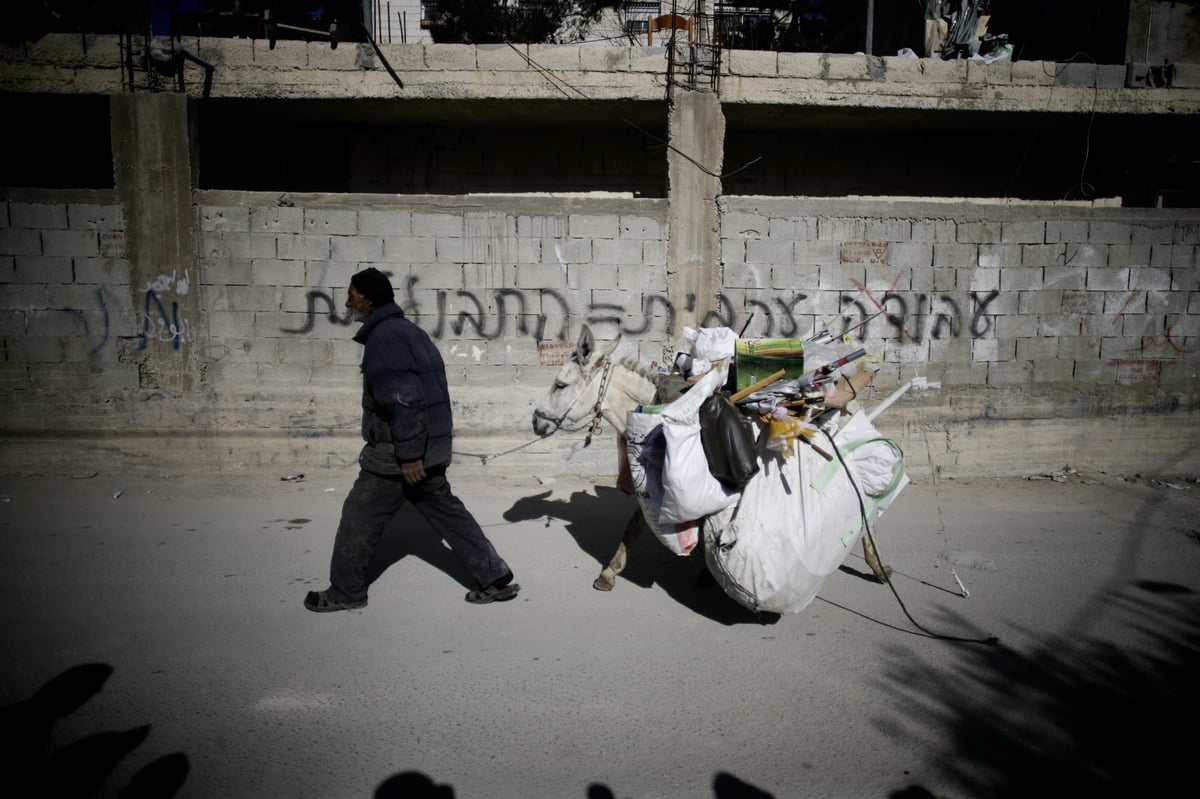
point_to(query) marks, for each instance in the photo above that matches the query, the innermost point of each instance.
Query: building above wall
(246, 68)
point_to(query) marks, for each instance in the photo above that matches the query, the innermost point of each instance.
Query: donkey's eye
(559, 385)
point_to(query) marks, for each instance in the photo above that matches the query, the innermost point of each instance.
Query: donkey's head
(576, 390)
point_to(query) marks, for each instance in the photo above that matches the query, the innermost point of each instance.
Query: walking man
(407, 427)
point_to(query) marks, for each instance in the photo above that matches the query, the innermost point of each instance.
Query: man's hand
(413, 472)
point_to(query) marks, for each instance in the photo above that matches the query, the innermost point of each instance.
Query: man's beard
(360, 316)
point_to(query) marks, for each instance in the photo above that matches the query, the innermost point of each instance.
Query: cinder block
(741, 225)
(1100, 232)
(1039, 301)
(1009, 373)
(1015, 327)
(1104, 278)
(384, 223)
(44, 269)
(642, 279)
(606, 226)
(450, 56)
(225, 219)
(20, 241)
(1064, 277)
(1066, 230)
(1053, 370)
(979, 232)
(593, 276)
(276, 272)
(1083, 75)
(888, 230)
(648, 59)
(1059, 326)
(1000, 256)
(502, 57)
(1042, 255)
(445, 225)
(803, 65)
(935, 230)
(450, 251)
(1020, 278)
(842, 229)
(984, 279)
(302, 247)
(571, 251)
(44, 216)
(617, 251)
(361, 249)
(654, 253)
(554, 57)
(409, 249)
(1086, 255)
(751, 63)
(539, 276)
(68, 243)
(1167, 302)
(611, 59)
(770, 251)
(816, 252)
(837, 277)
(92, 216)
(957, 256)
(1152, 234)
(328, 221)
(639, 227)
(1129, 255)
(1023, 232)
(277, 220)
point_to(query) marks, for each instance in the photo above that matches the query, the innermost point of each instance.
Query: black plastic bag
(728, 442)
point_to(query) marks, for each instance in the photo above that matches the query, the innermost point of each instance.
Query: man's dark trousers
(374, 499)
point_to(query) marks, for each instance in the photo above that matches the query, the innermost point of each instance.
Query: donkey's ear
(586, 345)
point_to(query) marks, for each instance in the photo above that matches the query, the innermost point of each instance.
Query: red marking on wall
(865, 252)
(112, 243)
(554, 353)
(1139, 370)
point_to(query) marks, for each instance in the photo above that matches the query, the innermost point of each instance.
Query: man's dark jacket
(406, 404)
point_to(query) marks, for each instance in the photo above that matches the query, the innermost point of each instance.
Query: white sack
(690, 492)
(645, 448)
(798, 519)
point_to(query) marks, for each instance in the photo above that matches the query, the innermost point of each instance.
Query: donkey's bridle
(597, 412)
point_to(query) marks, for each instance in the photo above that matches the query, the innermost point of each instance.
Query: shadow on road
(596, 522)
(415, 785)
(83, 767)
(1077, 716)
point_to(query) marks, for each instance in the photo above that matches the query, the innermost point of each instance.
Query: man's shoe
(321, 602)
(493, 594)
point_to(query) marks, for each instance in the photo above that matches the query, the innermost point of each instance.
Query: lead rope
(593, 428)
(862, 507)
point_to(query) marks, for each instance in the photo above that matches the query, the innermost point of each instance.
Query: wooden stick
(759, 386)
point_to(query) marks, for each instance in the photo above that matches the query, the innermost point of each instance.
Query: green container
(758, 359)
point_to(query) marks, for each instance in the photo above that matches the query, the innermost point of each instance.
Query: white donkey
(591, 387)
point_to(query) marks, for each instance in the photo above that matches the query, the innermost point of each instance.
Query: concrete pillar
(694, 161)
(153, 174)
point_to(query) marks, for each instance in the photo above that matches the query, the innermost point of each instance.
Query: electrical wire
(570, 90)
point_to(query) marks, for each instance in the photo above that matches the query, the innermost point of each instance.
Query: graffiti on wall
(544, 314)
(160, 318)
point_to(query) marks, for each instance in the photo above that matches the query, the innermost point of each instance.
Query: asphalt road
(154, 636)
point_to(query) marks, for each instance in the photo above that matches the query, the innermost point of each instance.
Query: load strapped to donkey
(760, 448)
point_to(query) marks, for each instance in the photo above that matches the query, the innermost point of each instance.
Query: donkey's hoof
(603, 584)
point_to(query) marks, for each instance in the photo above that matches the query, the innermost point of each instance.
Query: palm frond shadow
(84, 766)
(1083, 716)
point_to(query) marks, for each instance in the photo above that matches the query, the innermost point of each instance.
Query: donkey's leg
(608, 576)
(881, 572)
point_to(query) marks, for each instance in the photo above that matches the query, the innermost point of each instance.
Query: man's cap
(374, 285)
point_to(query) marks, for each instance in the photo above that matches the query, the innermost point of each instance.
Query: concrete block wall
(1059, 334)
(1055, 331)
